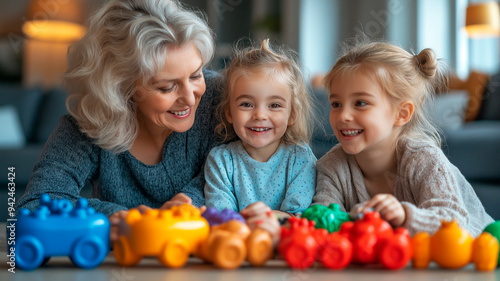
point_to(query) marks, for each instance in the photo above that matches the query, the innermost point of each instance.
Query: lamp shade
(483, 19)
(51, 26)
(55, 20)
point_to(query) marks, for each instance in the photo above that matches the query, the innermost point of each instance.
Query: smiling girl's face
(259, 110)
(362, 116)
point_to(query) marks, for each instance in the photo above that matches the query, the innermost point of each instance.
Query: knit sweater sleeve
(439, 191)
(67, 161)
(331, 175)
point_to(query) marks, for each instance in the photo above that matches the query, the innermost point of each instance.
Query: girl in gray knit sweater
(389, 155)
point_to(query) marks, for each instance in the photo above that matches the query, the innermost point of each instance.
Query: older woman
(140, 123)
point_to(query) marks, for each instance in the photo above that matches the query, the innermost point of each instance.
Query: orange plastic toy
(230, 243)
(453, 247)
(171, 235)
(366, 241)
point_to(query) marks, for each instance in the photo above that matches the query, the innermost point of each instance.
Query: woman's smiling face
(170, 100)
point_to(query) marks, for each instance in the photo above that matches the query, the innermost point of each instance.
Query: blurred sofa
(27, 118)
(473, 146)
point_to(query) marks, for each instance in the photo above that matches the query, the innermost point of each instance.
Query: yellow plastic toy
(230, 243)
(453, 247)
(171, 235)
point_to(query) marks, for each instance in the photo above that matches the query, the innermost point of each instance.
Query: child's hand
(260, 215)
(178, 199)
(389, 208)
(114, 221)
(358, 210)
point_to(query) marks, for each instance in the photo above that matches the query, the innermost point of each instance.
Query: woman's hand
(178, 199)
(116, 218)
(260, 215)
(389, 208)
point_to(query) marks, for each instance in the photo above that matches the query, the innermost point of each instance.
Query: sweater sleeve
(435, 184)
(67, 161)
(328, 181)
(219, 189)
(300, 188)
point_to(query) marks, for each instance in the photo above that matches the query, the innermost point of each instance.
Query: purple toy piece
(214, 217)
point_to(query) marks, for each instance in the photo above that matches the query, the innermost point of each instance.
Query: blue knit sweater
(119, 181)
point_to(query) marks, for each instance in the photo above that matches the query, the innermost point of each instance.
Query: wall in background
(313, 28)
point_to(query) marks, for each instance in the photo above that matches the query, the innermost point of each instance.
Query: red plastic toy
(369, 240)
(302, 243)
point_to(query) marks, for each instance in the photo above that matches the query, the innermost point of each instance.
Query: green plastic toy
(329, 218)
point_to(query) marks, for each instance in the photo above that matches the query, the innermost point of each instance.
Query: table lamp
(482, 19)
(50, 28)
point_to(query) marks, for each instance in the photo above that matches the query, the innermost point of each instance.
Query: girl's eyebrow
(251, 97)
(244, 97)
(356, 94)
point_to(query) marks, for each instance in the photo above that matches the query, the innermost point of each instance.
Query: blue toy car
(58, 229)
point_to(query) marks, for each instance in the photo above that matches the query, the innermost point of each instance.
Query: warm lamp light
(483, 19)
(54, 30)
(51, 27)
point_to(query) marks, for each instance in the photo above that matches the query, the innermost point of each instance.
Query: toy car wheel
(175, 254)
(336, 253)
(230, 253)
(395, 255)
(123, 252)
(299, 256)
(259, 247)
(29, 253)
(88, 252)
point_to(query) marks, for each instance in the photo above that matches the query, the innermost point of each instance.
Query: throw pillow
(449, 109)
(12, 132)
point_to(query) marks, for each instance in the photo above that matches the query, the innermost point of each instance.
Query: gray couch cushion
(474, 149)
(448, 110)
(323, 138)
(490, 103)
(27, 103)
(52, 108)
